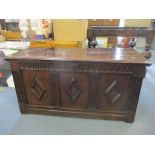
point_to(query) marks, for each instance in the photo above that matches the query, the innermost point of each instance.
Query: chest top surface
(117, 55)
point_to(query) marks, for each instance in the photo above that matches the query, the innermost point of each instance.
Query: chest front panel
(38, 87)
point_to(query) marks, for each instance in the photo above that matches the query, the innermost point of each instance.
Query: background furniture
(103, 22)
(99, 31)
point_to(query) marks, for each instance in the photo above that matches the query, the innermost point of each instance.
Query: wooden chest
(93, 83)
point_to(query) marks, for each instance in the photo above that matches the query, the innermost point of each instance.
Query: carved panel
(73, 89)
(114, 91)
(38, 88)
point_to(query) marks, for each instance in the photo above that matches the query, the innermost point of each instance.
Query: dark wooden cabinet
(93, 83)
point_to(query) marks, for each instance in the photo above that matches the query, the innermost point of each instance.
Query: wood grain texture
(118, 55)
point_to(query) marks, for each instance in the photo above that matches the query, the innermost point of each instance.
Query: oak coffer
(93, 83)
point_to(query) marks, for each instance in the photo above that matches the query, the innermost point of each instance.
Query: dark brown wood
(93, 83)
(99, 31)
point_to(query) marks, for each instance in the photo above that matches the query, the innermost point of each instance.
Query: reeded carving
(93, 91)
(73, 89)
(19, 87)
(55, 89)
(134, 94)
(114, 91)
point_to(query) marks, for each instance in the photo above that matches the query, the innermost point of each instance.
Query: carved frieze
(77, 66)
